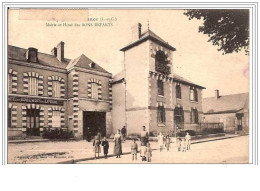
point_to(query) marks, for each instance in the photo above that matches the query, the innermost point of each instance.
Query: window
(9, 117)
(33, 86)
(56, 119)
(178, 115)
(193, 94)
(194, 116)
(161, 63)
(161, 114)
(33, 122)
(10, 83)
(55, 88)
(160, 87)
(94, 90)
(178, 91)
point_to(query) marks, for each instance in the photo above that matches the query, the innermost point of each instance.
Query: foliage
(56, 134)
(207, 131)
(183, 133)
(226, 28)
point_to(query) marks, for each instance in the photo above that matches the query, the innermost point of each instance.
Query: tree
(226, 28)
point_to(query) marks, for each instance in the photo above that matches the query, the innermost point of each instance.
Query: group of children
(97, 149)
(145, 151)
(184, 143)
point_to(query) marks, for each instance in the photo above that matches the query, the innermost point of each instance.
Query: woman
(96, 146)
(144, 136)
(118, 144)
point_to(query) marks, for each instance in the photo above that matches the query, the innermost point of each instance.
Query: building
(50, 91)
(149, 93)
(231, 110)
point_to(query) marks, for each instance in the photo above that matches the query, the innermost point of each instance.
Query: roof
(84, 62)
(225, 104)
(183, 80)
(19, 54)
(149, 35)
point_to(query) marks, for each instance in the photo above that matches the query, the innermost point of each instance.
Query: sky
(195, 58)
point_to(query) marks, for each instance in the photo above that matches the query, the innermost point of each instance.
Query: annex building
(50, 91)
(148, 92)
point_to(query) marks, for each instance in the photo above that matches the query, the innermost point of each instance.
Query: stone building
(231, 110)
(148, 92)
(50, 91)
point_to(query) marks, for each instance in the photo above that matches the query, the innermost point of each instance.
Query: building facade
(148, 93)
(48, 91)
(231, 110)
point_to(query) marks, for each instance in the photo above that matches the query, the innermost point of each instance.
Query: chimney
(54, 52)
(60, 51)
(217, 94)
(136, 32)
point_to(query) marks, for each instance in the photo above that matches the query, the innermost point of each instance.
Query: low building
(149, 93)
(231, 110)
(50, 91)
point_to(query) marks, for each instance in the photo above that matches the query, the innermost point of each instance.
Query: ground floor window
(194, 116)
(33, 122)
(161, 114)
(178, 115)
(56, 119)
(9, 117)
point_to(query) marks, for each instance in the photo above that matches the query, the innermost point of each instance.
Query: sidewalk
(153, 146)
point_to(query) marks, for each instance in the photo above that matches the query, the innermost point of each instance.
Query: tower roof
(149, 35)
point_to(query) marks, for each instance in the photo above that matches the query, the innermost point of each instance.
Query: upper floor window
(161, 63)
(160, 87)
(178, 91)
(193, 94)
(56, 89)
(10, 83)
(94, 90)
(33, 86)
(161, 114)
(194, 116)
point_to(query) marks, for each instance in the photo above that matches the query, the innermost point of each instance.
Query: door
(94, 122)
(33, 122)
(239, 121)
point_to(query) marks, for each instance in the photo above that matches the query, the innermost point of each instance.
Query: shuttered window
(160, 86)
(56, 119)
(55, 88)
(94, 90)
(33, 86)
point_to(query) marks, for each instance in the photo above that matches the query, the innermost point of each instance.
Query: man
(123, 131)
(188, 139)
(144, 136)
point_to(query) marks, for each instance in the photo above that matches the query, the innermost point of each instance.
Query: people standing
(148, 152)
(160, 141)
(96, 146)
(105, 145)
(134, 150)
(123, 131)
(188, 140)
(118, 144)
(167, 142)
(143, 152)
(144, 136)
(183, 144)
(179, 143)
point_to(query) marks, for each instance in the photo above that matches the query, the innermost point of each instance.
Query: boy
(148, 152)
(188, 139)
(183, 145)
(134, 150)
(105, 145)
(179, 144)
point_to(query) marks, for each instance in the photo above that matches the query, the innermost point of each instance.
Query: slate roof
(148, 35)
(225, 104)
(19, 54)
(183, 80)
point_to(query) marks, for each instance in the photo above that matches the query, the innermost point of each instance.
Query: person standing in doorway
(118, 144)
(144, 136)
(123, 131)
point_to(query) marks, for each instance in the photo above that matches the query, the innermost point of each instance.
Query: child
(105, 145)
(134, 150)
(148, 152)
(183, 145)
(188, 139)
(143, 151)
(96, 145)
(179, 143)
(167, 142)
(160, 142)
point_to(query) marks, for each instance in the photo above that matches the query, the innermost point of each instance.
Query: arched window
(94, 90)
(33, 85)
(161, 63)
(56, 90)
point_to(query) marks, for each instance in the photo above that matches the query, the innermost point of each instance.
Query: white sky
(195, 58)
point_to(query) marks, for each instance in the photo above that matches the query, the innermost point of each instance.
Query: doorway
(239, 121)
(94, 122)
(33, 122)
